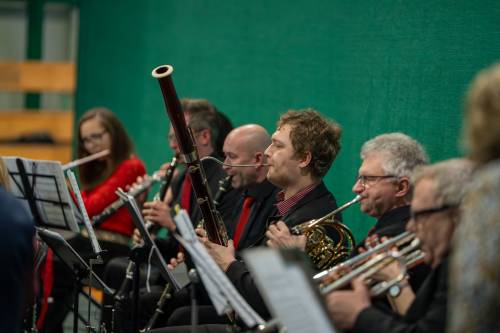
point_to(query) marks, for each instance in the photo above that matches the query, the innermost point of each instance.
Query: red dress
(101, 196)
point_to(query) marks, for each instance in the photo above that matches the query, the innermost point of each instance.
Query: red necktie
(245, 213)
(186, 193)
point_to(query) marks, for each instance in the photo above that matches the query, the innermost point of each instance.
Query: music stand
(41, 187)
(139, 253)
(76, 264)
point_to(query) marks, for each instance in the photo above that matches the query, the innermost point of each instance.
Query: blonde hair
(482, 116)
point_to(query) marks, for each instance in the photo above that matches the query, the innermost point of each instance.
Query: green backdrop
(374, 66)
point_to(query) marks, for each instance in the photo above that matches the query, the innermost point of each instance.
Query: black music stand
(139, 253)
(41, 186)
(76, 264)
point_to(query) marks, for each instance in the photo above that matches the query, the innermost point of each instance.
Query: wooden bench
(22, 125)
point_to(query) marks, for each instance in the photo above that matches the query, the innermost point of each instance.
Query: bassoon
(212, 221)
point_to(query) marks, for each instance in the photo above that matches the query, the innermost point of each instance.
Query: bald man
(246, 145)
(246, 224)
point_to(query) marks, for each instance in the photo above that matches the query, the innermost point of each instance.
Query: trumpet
(323, 250)
(407, 257)
(361, 258)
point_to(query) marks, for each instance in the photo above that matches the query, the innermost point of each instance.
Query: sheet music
(210, 271)
(86, 220)
(287, 291)
(52, 196)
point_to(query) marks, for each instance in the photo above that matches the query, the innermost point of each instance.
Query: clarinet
(166, 294)
(123, 292)
(224, 186)
(141, 188)
(216, 230)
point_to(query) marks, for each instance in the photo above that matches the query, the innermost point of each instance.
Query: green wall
(374, 66)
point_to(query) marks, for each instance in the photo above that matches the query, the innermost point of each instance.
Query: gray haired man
(384, 181)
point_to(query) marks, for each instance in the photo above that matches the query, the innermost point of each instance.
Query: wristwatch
(395, 290)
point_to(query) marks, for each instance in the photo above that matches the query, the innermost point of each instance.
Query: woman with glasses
(98, 129)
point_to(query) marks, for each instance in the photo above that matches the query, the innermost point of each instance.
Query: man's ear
(204, 137)
(404, 187)
(305, 160)
(259, 158)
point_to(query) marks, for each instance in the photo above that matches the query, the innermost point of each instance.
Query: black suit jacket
(16, 260)
(426, 314)
(315, 204)
(264, 195)
(214, 173)
(390, 224)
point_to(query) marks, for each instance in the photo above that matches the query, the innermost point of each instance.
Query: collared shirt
(285, 205)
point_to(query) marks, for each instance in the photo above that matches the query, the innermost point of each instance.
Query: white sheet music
(215, 280)
(287, 292)
(53, 200)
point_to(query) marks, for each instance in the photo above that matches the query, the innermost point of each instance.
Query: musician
(205, 122)
(245, 145)
(388, 161)
(99, 129)
(303, 148)
(475, 264)
(383, 181)
(438, 192)
(16, 259)
(209, 127)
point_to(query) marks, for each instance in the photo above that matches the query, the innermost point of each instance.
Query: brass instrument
(212, 221)
(373, 265)
(361, 258)
(323, 250)
(366, 264)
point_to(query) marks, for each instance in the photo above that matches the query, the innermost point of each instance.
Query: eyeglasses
(417, 216)
(94, 137)
(367, 180)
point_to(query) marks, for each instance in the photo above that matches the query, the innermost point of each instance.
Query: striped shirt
(285, 205)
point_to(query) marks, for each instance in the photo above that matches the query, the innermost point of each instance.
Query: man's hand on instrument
(344, 306)
(279, 236)
(136, 237)
(223, 255)
(174, 262)
(159, 212)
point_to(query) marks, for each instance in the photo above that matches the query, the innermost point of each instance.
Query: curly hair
(311, 132)
(482, 116)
